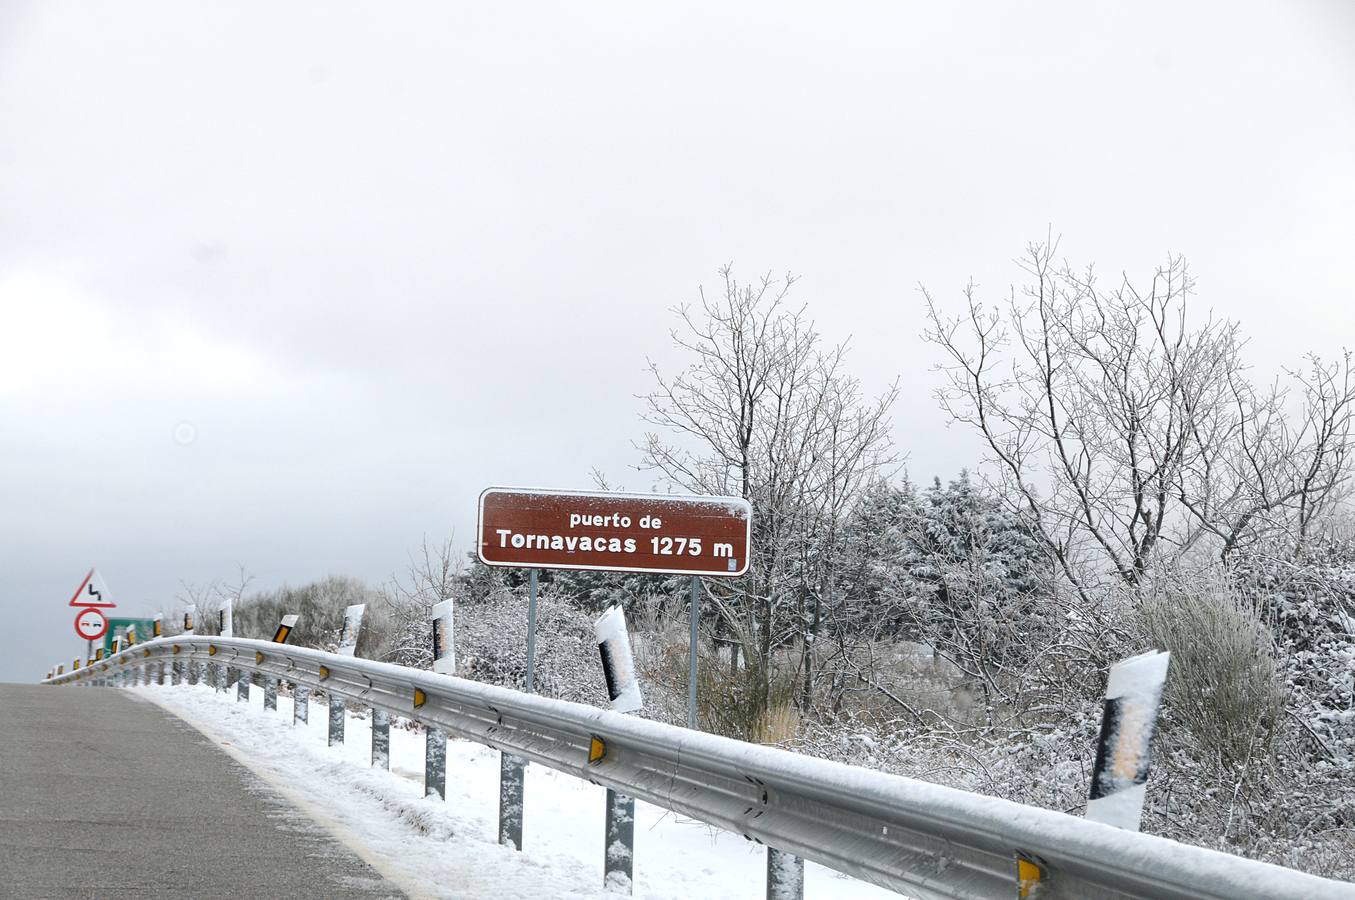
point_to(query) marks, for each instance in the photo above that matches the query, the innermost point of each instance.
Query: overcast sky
(287, 285)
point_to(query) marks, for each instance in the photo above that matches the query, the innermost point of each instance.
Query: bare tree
(1129, 437)
(764, 411)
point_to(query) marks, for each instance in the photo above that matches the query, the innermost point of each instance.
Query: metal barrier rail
(921, 839)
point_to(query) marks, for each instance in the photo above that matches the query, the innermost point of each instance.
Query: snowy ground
(433, 848)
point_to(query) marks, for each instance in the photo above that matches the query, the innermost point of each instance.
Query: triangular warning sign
(92, 592)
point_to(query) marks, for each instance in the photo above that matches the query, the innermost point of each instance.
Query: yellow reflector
(420, 698)
(597, 748)
(258, 656)
(324, 672)
(146, 653)
(211, 649)
(176, 649)
(1028, 875)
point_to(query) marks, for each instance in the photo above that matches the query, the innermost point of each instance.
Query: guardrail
(920, 839)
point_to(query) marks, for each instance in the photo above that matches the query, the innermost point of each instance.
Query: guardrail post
(270, 692)
(335, 720)
(381, 738)
(618, 853)
(176, 673)
(435, 763)
(511, 772)
(785, 875)
(219, 680)
(301, 704)
(161, 679)
(242, 680)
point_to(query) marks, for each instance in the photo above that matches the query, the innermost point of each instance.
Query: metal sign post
(531, 632)
(513, 771)
(691, 652)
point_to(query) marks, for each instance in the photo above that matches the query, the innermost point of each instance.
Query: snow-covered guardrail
(921, 839)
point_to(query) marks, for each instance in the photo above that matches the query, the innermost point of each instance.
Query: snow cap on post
(444, 647)
(352, 624)
(189, 614)
(285, 628)
(618, 665)
(1120, 776)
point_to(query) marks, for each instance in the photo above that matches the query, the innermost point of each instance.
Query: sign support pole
(512, 771)
(531, 633)
(691, 652)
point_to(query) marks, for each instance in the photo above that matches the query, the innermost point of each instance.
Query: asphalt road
(104, 795)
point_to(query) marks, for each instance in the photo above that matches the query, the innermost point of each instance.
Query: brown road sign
(612, 531)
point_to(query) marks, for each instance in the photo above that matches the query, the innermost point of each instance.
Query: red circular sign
(90, 624)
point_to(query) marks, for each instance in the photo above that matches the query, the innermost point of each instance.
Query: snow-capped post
(435, 739)
(435, 762)
(243, 677)
(190, 615)
(336, 708)
(285, 628)
(381, 738)
(618, 663)
(1120, 776)
(623, 691)
(511, 772)
(270, 684)
(301, 704)
(444, 643)
(348, 646)
(352, 625)
(158, 625)
(225, 620)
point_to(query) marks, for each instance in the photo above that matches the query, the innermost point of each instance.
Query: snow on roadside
(449, 849)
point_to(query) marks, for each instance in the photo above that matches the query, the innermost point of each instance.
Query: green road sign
(118, 628)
